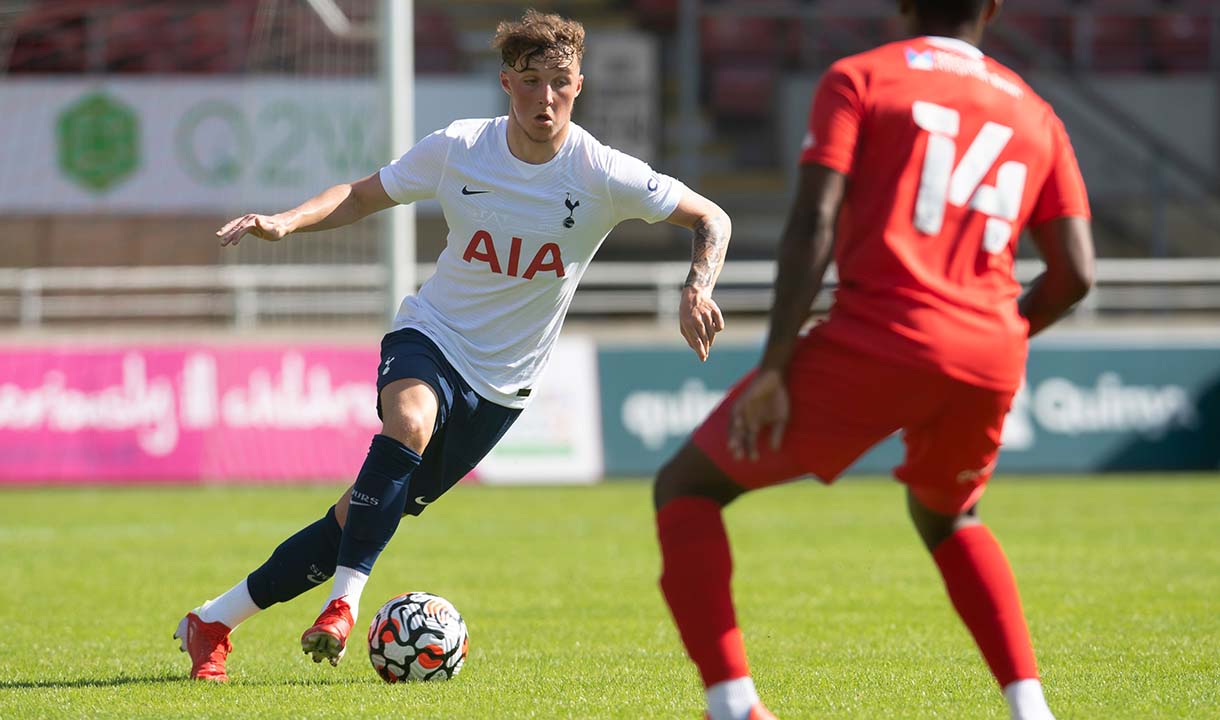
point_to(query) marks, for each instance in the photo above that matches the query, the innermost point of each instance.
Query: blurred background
(131, 130)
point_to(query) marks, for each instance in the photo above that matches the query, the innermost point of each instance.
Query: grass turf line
(843, 611)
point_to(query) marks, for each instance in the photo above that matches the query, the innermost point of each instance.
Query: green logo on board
(99, 141)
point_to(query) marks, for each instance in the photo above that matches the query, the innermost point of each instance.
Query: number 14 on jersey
(941, 183)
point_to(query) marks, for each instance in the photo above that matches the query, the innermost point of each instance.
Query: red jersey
(949, 154)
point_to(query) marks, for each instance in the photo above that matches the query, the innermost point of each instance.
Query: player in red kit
(923, 162)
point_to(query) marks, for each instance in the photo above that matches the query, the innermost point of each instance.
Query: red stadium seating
(213, 36)
(1181, 42)
(744, 91)
(1120, 43)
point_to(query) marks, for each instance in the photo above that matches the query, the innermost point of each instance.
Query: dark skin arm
(1066, 244)
(804, 254)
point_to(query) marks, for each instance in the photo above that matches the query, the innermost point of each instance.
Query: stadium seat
(436, 43)
(731, 38)
(744, 91)
(140, 40)
(1181, 42)
(656, 15)
(1120, 43)
(50, 38)
(1051, 33)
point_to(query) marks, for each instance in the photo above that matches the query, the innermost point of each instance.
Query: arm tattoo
(707, 252)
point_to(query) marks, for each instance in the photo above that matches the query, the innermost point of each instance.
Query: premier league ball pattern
(417, 636)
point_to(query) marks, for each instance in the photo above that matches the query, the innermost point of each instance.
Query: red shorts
(843, 402)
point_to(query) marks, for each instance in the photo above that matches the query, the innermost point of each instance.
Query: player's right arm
(805, 252)
(334, 207)
(1060, 228)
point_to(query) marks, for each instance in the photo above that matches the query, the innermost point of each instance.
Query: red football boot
(328, 636)
(208, 645)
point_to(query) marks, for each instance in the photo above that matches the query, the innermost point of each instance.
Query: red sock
(984, 591)
(696, 571)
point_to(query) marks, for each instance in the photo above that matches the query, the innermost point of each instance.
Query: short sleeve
(1063, 194)
(834, 121)
(636, 192)
(416, 175)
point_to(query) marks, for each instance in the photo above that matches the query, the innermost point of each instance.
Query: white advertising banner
(558, 438)
(202, 145)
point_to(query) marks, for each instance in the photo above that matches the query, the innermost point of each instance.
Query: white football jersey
(520, 238)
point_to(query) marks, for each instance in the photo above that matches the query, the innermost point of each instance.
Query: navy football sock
(378, 499)
(298, 564)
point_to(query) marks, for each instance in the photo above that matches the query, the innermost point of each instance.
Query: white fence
(248, 295)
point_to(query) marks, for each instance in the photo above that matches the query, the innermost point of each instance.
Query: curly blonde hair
(549, 39)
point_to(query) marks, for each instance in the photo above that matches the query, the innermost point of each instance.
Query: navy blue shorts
(468, 426)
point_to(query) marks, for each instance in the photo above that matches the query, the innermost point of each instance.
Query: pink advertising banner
(185, 413)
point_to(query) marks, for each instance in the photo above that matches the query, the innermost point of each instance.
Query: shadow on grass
(305, 682)
(168, 679)
(91, 682)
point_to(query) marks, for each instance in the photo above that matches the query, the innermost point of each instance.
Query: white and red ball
(417, 636)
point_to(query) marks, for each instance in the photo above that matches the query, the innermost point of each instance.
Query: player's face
(541, 98)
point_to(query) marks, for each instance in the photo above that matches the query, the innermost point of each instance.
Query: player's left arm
(698, 314)
(1060, 229)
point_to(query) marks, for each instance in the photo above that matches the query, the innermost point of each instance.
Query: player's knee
(690, 473)
(933, 527)
(409, 425)
(667, 485)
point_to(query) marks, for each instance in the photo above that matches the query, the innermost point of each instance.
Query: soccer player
(923, 162)
(528, 198)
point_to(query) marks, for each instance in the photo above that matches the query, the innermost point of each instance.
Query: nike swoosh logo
(468, 191)
(422, 501)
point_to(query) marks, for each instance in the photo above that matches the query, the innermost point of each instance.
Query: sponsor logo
(468, 191)
(316, 575)
(571, 206)
(364, 500)
(421, 500)
(967, 477)
(657, 416)
(482, 248)
(962, 66)
(653, 184)
(1060, 406)
(917, 60)
(157, 405)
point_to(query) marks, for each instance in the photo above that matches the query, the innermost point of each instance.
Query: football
(417, 636)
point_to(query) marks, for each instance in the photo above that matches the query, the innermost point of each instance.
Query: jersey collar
(524, 168)
(954, 44)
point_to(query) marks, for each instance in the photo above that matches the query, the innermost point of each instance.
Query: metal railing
(248, 296)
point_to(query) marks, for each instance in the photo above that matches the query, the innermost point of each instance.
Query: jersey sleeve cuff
(390, 184)
(840, 165)
(677, 190)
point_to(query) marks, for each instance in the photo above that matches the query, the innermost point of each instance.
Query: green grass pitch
(842, 609)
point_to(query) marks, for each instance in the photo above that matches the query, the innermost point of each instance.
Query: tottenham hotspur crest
(571, 206)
